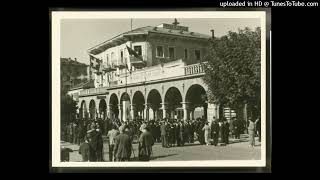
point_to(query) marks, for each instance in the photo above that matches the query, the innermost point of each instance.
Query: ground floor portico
(181, 98)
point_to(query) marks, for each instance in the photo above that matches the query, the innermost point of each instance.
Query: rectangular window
(138, 50)
(108, 59)
(197, 54)
(112, 56)
(185, 53)
(121, 55)
(160, 51)
(171, 52)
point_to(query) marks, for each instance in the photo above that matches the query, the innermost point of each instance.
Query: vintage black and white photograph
(159, 89)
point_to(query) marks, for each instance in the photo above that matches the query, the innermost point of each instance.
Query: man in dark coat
(177, 134)
(236, 127)
(99, 151)
(226, 132)
(192, 130)
(172, 135)
(65, 154)
(222, 132)
(122, 146)
(215, 132)
(181, 134)
(146, 141)
(93, 143)
(84, 150)
(187, 132)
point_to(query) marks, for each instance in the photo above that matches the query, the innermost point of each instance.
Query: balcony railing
(113, 83)
(194, 69)
(168, 70)
(93, 91)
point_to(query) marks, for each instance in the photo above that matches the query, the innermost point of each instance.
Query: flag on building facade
(133, 52)
(95, 63)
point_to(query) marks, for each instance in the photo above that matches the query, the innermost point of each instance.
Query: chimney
(212, 32)
(75, 59)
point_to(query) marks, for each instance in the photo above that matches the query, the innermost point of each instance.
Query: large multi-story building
(72, 73)
(149, 72)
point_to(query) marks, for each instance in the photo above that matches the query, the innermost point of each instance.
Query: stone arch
(179, 85)
(83, 109)
(173, 100)
(154, 100)
(92, 109)
(103, 108)
(125, 106)
(196, 99)
(113, 106)
(138, 104)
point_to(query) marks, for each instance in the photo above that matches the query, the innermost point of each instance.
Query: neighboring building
(150, 72)
(73, 75)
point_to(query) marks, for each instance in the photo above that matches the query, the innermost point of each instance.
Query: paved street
(234, 151)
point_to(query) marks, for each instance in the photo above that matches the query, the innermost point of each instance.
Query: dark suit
(84, 150)
(181, 135)
(215, 132)
(99, 146)
(226, 132)
(122, 147)
(93, 143)
(146, 142)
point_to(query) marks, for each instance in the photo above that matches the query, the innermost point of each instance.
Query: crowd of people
(89, 133)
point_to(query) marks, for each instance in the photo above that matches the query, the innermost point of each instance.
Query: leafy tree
(68, 110)
(233, 70)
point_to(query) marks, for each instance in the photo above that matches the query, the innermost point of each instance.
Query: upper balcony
(165, 71)
(93, 91)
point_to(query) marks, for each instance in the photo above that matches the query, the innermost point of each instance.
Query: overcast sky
(78, 35)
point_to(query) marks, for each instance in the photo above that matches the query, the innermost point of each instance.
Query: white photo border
(57, 16)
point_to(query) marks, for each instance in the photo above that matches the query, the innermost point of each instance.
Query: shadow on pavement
(157, 157)
(153, 157)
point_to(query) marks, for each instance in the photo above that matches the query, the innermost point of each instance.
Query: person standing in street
(122, 146)
(236, 127)
(252, 132)
(258, 127)
(99, 143)
(207, 131)
(84, 150)
(146, 141)
(227, 131)
(215, 132)
(181, 134)
(222, 132)
(111, 135)
(92, 134)
(163, 129)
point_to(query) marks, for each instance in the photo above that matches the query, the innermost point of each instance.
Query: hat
(143, 126)
(121, 128)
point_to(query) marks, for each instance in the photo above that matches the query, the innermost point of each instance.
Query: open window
(197, 55)
(159, 51)
(171, 53)
(138, 50)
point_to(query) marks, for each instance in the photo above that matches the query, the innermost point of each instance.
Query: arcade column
(132, 111)
(120, 111)
(164, 110)
(146, 111)
(185, 107)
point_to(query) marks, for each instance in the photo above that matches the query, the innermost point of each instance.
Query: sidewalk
(236, 149)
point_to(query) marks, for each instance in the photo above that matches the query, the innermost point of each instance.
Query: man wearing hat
(111, 135)
(164, 129)
(146, 142)
(122, 146)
